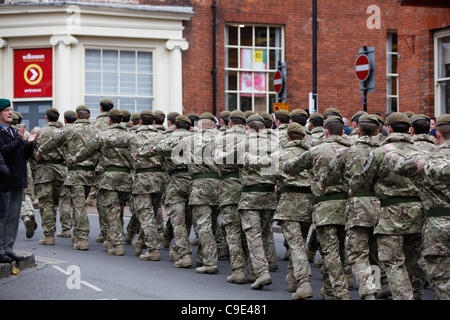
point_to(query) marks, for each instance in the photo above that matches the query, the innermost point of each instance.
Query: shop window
(442, 72)
(124, 76)
(391, 73)
(252, 54)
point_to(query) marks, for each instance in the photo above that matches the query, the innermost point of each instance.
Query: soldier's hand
(21, 132)
(33, 136)
(420, 164)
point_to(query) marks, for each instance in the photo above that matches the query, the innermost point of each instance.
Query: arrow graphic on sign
(35, 74)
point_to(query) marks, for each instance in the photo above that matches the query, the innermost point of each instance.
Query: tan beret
(183, 118)
(398, 117)
(237, 114)
(409, 114)
(248, 113)
(158, 113)
(332, 119)
(135, 116)
(143, 113)
(294, 127)
(52, 110)
(359, 113)
(379, 118)
(296, 112)
(332, 112)
(126, 113)
(106, 101)
(115, 112)
(207, 115)
(172, 114)
(416, 117)
(315, 115)
(255, 117)
(225, 114)
(443, 120)
(69, 113)
(266, 116)
(368, 118)
(83, 107)
(282, 113)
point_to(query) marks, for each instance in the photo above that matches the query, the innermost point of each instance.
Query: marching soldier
(224, 120)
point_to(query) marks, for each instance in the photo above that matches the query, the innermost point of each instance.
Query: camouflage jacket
(169, 130)
(50, 165)
(387, 184)
(317, 136)
(102, 121)
(75, 138)
(292, 205)
(114, 145)
(128, 125)
(160, 128)
(381, 138)
(281, 132)
(363, 208)
(424, 142)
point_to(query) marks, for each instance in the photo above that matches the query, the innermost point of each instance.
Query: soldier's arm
(93, 146)
(367, 177)
(438, 170)
(402, 166)
(335, 171)
(298, 164)
(55, 142)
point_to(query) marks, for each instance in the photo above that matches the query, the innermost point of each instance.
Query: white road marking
(87, 284)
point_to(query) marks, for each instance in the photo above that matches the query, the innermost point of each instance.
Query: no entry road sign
(278, 82)
(362, 67)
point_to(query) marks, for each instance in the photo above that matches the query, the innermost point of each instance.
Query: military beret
(207, 115)
(158, 113)
(296, 112)
(332, 119)
(115, 112)
(144, 113)
(255, 117)
(15, 116)
(18, 114)
(248, 113)
(52, 110)
(397, 117)
(137, 115)
(416, 117)
(182, 118)
(443, 120)
(4, 103)
(379, 118)
(368, 118)
(294, 127)
(126, 113)
(107, 101)
(224, 114)
(172, 114)
(69, 113)
(237, 114)
(282, 113)
(359, 113)
(316, 115)
(82, 107)
(266, 116)
(409, 114)
(332, 112)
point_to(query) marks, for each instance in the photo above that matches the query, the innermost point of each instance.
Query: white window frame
(102, 95)
(389, 74)
(438, 108)
(267, 72)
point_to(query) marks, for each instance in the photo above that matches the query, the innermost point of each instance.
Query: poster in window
(254, 60)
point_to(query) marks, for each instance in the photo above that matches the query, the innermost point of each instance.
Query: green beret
(224, 114)
(359, 113)
(137, 115)
(296, 112)
(416, 117)
(158, 113)
(282, 113)
(109, 101)
(82, 107)
(248, 113)
(237, 114)
(193, 117)
(172, 114)
(409, 114)
(332, 119)
(4, 103)
(316, 115)
(183, 118)
(69, 113)
(207, 115)
(332, 112)
(52, 110)
(368, 118)
(143, 113)
(266, 116)
(255, 117)
(397, 117)
(115, 112)
(294, 127)
(126, 113)
(15, 116)
(17, 113)
(443, 120)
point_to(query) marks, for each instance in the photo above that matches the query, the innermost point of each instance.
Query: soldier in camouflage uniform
(355, 120)
(401, 220)
(380, 136)
(282, 122)
(101, 123)
(363, 208)
(329, 209)
(50, 175)
(147, 183)
(300, 116)
(224, 118)
(79, 177)
(428, 172)
(294, 212)
(115, 186)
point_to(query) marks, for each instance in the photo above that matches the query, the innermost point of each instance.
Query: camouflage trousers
(48, 197)
(27, 207)
(362, 250)
(80, 218)
(438, 270)
(144, 208)
(220, 236)
(295, 234)
(180, 217)
(313, 244)
(234, 235)
(252, 226)
(65, 208)
(112, 204)
(332, 242)
(398, 256)
(203, 220)
(134, 226)
(268, 239)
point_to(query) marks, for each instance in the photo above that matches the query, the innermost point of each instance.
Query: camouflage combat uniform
(317, 136)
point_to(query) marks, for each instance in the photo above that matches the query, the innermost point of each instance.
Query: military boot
(74, 238)
(83, 245)
(251, 277)
(100, 238)
(238, 276)
(184, 262)
(64, 234)
(261, 281)
(33, 220)
(76, 246)
(291, 282)
(28, 227)
(326, 294)
(47, 241)
(369, 297)
(303, 291)
(138, 247)
(150, 256)
(107, 244)
(117, 251)
(207, 269)
(173, 255)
